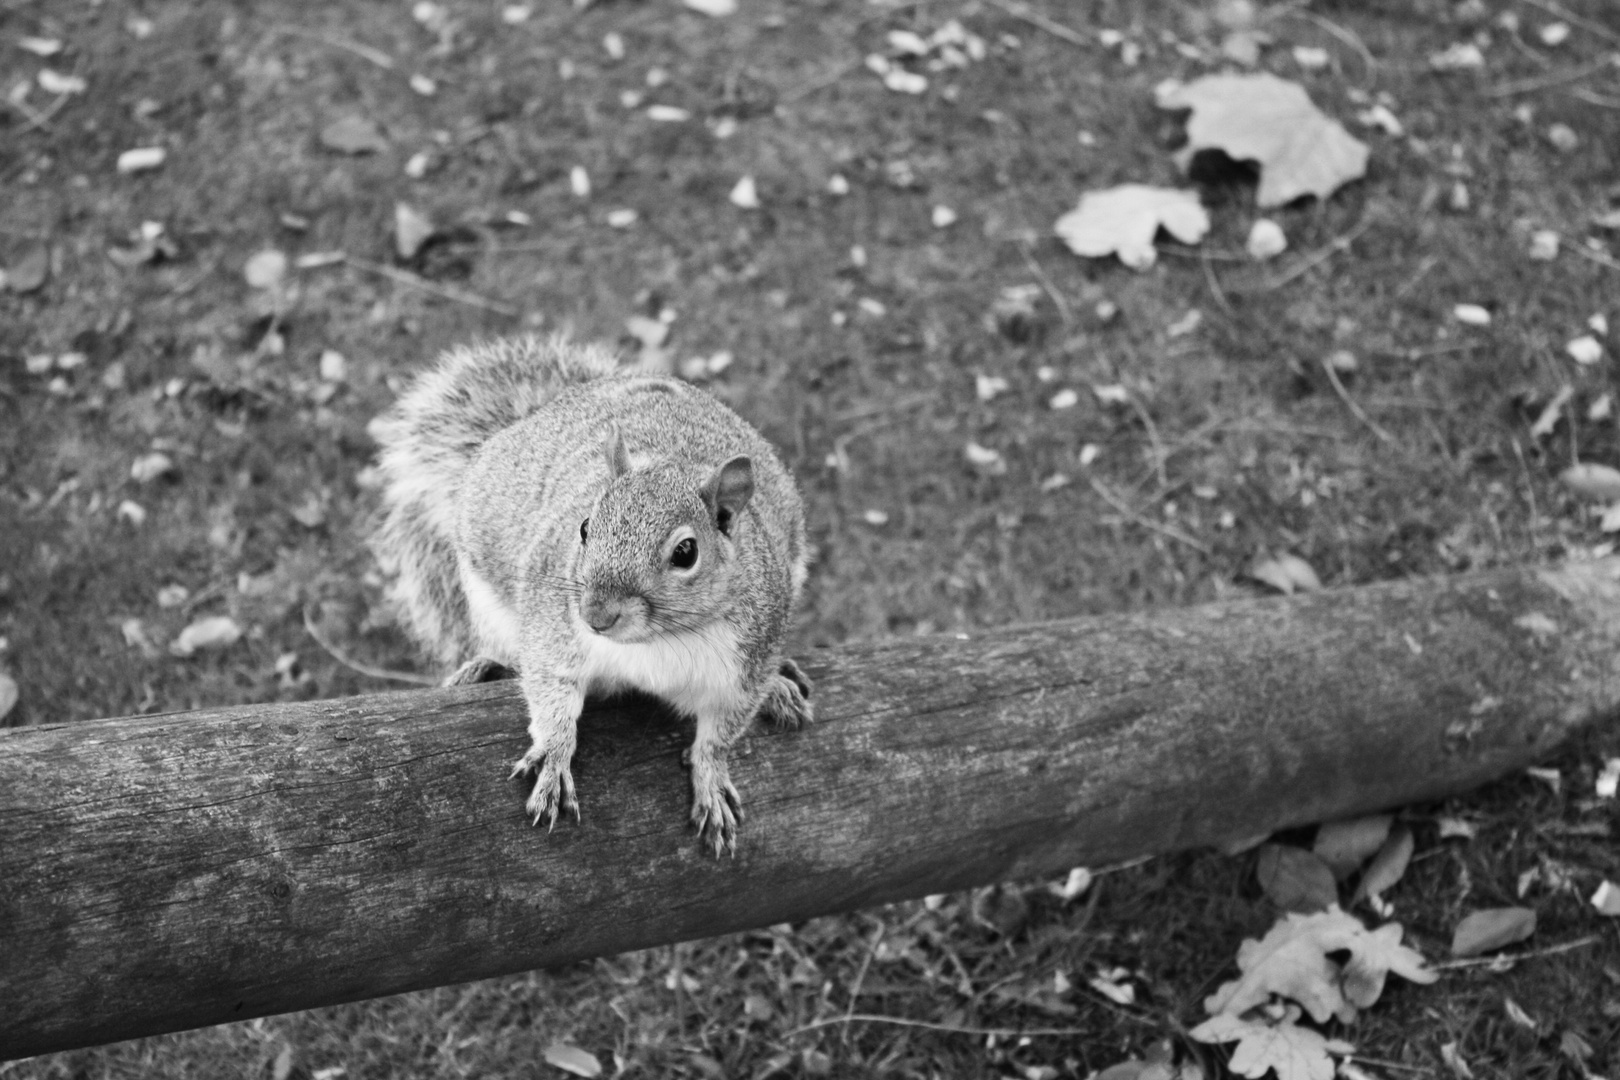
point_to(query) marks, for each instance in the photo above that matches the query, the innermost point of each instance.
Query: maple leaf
(1294, 1052)
(1123, 220)
(1269, 120)
(1292, 961)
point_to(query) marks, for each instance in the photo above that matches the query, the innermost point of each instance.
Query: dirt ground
(865, 331)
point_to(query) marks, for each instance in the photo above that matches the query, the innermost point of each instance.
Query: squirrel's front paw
(787, 698)
(553, 787)
(716, 809)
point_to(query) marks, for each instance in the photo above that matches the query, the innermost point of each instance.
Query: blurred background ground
(873, 338)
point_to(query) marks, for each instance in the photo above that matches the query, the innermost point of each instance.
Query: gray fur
(492, 460)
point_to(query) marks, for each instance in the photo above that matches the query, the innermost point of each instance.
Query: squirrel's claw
(716, 812)
(553, 792)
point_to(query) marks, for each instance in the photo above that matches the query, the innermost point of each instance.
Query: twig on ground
(1570, 17)
(860, 976)
(1146, 522)
(1548, 81)
(1385, 1063)
(955, 1029)
(39, 120)
(449, 292)
(1159, 455)
(1429, 263)
(1319, 256)
(365, 52)
(1036, 19)
(1514, 958)
(356, 665)
(1215, 286)
(1530, 498)
(1356, 410)
(821, 82)
(1580, 93)
(1065, 312)
(1349, 37)
(1596, 256)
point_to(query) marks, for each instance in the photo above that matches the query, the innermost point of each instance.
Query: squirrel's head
(658, 552)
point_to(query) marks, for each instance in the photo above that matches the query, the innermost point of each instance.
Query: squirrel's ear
(728, 491)
(618, 458)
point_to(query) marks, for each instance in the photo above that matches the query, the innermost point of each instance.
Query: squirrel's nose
(601, 617)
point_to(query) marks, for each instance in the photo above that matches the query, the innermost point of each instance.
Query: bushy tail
(427, 441)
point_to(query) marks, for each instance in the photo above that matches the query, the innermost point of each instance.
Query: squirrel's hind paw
(787, 698)
(553, 790)
(716, 809)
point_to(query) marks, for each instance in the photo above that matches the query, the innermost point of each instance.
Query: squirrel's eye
(584, 530)
(684, 555)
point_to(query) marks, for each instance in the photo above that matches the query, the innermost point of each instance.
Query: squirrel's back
(428, 440)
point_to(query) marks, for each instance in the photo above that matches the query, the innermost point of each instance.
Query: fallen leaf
(1271, 121)
(1463, 56)
(572, 1059)
(1548, 420)
(745, 194)
(1292, 960)
(1471, 315)
(8, 694)
(1389, 865)
(265, 269)
(1294, 879)
(715, 9)
(210, 632)
(1591, 482)
(40, 46)
(1606, 899)
(1112, 985)
(141, 159)
(54, 82)
(282, 1067)
(1345, 845)
(1373, 957)
(29, 272)
(1455, 1061)
(149, 467)
(1266, 240)
(1544, 245)
(1286, 573)
(1608, 780)
(411, 230)
(1123, 220)
(987, 461)
(354, 135)
(1294, 1052)
(1517, 1014)
(1585, 350)
(1490, 929)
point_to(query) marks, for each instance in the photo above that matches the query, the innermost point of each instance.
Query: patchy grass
(872, 403)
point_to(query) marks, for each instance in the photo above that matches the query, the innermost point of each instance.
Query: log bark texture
(167, 872)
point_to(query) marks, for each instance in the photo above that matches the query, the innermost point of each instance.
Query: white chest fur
(493, 623)
(697, 671)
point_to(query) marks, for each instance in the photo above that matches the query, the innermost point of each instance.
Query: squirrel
(590, 530)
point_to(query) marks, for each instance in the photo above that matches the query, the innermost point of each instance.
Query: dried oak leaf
(1292, 961)
(1271, 121)
(1123, 220)
(1294, 1052)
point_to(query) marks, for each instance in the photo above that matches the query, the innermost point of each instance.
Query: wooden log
(167, 872)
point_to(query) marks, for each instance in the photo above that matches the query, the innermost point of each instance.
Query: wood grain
(166, 872)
